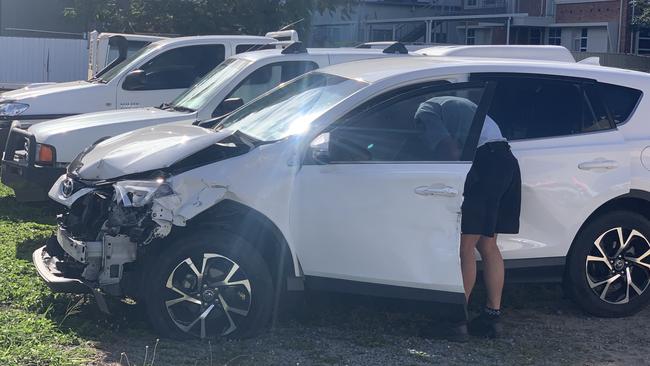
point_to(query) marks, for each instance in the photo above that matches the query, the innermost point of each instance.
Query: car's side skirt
(533, 270)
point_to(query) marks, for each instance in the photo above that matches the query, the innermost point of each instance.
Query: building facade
(598, 26)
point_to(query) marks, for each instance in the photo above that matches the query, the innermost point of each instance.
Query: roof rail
(397, 47)
(294, 48)
(522, 52)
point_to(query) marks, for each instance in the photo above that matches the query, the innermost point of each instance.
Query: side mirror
(134, 80)
(227, 106)
(320, 148)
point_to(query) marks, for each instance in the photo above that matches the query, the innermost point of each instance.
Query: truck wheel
(609, 266)
(209, 284)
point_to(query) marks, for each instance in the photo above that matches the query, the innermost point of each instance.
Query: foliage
(29, 334)
(641, 13)
(194, 17)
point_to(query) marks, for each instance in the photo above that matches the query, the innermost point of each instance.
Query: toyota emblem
(67, 187)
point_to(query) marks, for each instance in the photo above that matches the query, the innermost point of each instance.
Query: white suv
(326, 181)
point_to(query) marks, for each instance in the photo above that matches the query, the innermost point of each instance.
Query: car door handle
(444, 191)
(598, 164)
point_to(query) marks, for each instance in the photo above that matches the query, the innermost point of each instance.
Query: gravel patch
(540, 328)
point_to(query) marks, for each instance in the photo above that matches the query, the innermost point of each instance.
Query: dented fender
(190, 198)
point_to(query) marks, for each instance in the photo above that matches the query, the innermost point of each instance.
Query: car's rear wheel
(209, 285)
(609, 265)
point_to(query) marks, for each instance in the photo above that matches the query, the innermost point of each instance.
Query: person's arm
(449, 149)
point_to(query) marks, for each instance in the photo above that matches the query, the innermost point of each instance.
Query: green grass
(31, 332)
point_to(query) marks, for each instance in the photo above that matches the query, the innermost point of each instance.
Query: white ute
(152, 75)
(328, 182)
(236, 81)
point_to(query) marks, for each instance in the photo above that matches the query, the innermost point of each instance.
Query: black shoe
(485, 325)
(452, 332)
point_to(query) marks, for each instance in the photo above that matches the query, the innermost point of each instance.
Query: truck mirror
(320, 148)
(227, 106)
(134, 80)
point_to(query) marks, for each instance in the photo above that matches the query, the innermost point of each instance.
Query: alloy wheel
(618, 265)
(208, 300)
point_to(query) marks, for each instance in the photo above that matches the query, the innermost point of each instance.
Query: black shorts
(492, 192)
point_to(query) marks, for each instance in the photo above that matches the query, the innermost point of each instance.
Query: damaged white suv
(327, 182)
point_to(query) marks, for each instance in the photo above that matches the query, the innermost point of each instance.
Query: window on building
(555, 36)
(471, 3)
(537, 107)
(535, 36)
(470, 36)
(581, 41)
(643, 47)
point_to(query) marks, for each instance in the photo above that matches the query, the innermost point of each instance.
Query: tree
(641, 16)
(194, 17)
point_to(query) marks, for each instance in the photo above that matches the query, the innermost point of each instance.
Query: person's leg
(493, 270)
(468, 244)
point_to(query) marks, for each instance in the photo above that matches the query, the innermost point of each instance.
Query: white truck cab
(152, 75)
(238, 80)
(106, 48)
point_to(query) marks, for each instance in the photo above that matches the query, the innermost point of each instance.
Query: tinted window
(427, 124)
(620, 100)
(240, 48)
(181, 67)
(268, 77)
(133, 47)
(536, 108)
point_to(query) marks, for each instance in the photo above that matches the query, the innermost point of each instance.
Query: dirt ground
(540, 328)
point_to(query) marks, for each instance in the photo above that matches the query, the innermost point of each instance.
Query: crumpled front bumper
(46, 267)
(57, 281)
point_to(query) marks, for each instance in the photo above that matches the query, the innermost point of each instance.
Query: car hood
(144, 150)
(63, 98)
(32, 91)
(70, 135)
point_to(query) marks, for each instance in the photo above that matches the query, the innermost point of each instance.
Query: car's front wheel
(209, 285)
(609, 265)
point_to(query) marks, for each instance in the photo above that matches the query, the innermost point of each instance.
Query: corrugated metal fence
(32, 60)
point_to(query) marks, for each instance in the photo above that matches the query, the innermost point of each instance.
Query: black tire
(600, 287)
(200, 247)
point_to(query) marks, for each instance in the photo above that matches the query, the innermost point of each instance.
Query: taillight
(45, 154)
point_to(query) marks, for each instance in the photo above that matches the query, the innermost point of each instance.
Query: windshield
(290, 108)
(128, 63)
(205, 89)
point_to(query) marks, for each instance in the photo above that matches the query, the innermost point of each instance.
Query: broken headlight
(138, 193)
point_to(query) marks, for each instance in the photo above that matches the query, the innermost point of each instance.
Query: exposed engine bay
(110, 224)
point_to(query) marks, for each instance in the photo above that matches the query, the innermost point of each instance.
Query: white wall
(30, 60)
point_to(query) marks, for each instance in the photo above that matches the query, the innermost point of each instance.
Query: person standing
(491, 205)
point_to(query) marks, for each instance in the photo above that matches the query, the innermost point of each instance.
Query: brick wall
(601, 11)
(532, 7)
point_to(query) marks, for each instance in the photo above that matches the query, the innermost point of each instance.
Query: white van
(36, 157)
